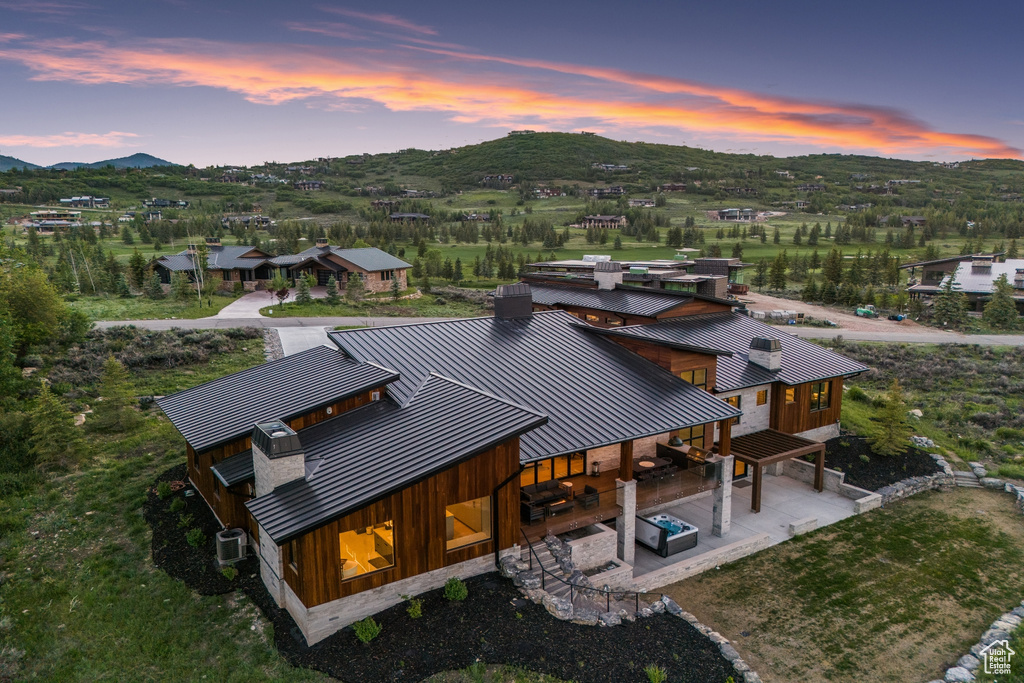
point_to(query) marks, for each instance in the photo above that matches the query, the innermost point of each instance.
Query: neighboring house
(935, 271)
(604, 222)
(414, 453)
(166, 203)
(601, 192)
(647, 203)
(377, 268)
(308, 185)
(710, 277)
(905, 221)
(976, 279)
(673, 187)
(86, 202)
(810, 187)
(226, 265)
(745, 215)
(408, 217)
(55, 217)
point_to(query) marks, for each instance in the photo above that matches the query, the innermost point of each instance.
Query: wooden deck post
(819, 470)
(626, 461)
(725, 437)
(755, 496)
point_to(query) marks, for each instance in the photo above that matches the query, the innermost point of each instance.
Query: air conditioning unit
(231, 546)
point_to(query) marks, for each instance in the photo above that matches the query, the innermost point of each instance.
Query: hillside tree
(892, 430)
(1001, 310)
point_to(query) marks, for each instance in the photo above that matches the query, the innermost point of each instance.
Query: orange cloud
(69, 139)
(387, 19)
(528, 92)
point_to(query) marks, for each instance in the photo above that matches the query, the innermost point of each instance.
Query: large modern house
(406, 455)
(255, 268)
(975, 275)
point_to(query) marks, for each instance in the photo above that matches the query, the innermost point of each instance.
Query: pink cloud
(70, 139)
(332, 29)
(386, 19)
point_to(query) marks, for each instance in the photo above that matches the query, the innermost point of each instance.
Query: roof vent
(513, 301)
(607, 274)
(276, 439)
(190, 250)
(766, 352)
(321, 242)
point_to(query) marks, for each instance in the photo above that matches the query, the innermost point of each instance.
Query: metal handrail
(607, 593)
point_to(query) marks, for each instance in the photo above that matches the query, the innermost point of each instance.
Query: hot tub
(665, 534)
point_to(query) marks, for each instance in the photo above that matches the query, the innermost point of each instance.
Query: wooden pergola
(770, 446)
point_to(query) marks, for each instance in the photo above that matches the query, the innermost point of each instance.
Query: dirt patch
(894, 595)
(846, 453)
(494, 624)
(844, 318)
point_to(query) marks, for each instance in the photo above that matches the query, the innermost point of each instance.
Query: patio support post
(755, 497)
(725, 437)
(625, 525)
(721, 519)
(626, 461)
(819, 471)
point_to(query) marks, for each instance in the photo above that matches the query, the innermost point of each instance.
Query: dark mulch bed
(487, 626)
(844, 453)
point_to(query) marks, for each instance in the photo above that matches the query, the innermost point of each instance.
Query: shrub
(229, 573)
(655, 674)
(366, 630)
(864, 458)
(195, 537)
(184, 521)
(857, 394)
(163, 489)
(415, 608)
(177, 505)
(1011, 471)
(455, 589)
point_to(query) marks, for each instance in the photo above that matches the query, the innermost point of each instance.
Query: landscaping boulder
(991, 483)
(969, 662)
(671, 607)
(585, 616)
(559, 608)
(958, 674)
(610, 619)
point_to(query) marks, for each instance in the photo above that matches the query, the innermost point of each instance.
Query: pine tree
(137, 271)
(425, 284)
(126, 236)
(332, 298)
(761, 274)
(777, 275)
(832, 268)
(302, 294)
(1011, 252)
(892, 431)
(181, 287)
(777, 235)
(396, 289)
(618, 242)
(737, 250)
(356, 290)
(154, 290)
(115, 413)
(1001, 310)
(950, 305)
(457, 271)
(121, 287)
(55, 442)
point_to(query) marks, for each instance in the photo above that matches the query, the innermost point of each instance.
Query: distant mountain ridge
(139, 160)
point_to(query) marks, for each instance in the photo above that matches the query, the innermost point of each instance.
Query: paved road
(224, 323)
(930, 337)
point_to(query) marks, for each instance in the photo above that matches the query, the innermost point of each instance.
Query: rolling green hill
(7, 163)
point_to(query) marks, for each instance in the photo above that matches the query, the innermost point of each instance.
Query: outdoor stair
(966, 479)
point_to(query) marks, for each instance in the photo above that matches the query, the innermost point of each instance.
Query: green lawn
(426, 306)
(895, 595)
(143, 308)
(81, 600)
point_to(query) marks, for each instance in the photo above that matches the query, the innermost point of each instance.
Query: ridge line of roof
(482, 392)
(660, 342)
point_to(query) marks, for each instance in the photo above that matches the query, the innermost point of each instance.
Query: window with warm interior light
(790, 394)
(692, 436)
(698, 377)
(467, 523)
(819, 395)
(593, 318)
(734, 401)
(762, 397)
(367, 549)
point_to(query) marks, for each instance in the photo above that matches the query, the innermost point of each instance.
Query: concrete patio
(784, 501)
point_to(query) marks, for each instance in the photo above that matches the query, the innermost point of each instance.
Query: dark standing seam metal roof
(383, 447)
(622, 301)
(235, 469)
(594, 391)
(227, 408)
(218, 258)
(802, 361)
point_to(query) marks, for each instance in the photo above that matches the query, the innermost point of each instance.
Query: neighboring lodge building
(713, 277)
(974, 275)
(414, 453)
(255, 268)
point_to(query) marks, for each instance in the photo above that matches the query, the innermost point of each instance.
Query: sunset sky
(242, 82)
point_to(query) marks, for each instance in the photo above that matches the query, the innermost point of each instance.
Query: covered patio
(769, 447)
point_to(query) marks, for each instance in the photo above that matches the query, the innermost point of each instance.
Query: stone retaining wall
(701, 563)
(594, 550)
(908, 487)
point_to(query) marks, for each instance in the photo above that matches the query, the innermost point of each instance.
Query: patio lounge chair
(590, 498)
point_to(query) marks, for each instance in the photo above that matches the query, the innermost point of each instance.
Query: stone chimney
(766, 352)
(513, 301)
(607, 274)
(321, 243)
(277, 456)
(1018, 279)
(981, 262)
(213, 242)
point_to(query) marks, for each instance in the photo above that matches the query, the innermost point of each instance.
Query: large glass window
(559, 467)
(367, 549)
(790, 394)
(820, 395)
(468, 523)
(698, 378)
(692, 436)
(734, 401)
(762, 397)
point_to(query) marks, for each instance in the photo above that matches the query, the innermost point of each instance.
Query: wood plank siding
(418, 513)
(229, 504)
(673, 360)
(797, 416)
(599, 318)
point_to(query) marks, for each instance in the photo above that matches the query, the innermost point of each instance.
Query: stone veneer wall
(594, 550)
(319, 622)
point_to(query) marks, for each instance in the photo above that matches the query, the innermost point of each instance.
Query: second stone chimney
(607, 274)
(277, 456)
(766, 352)
(321, 243)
